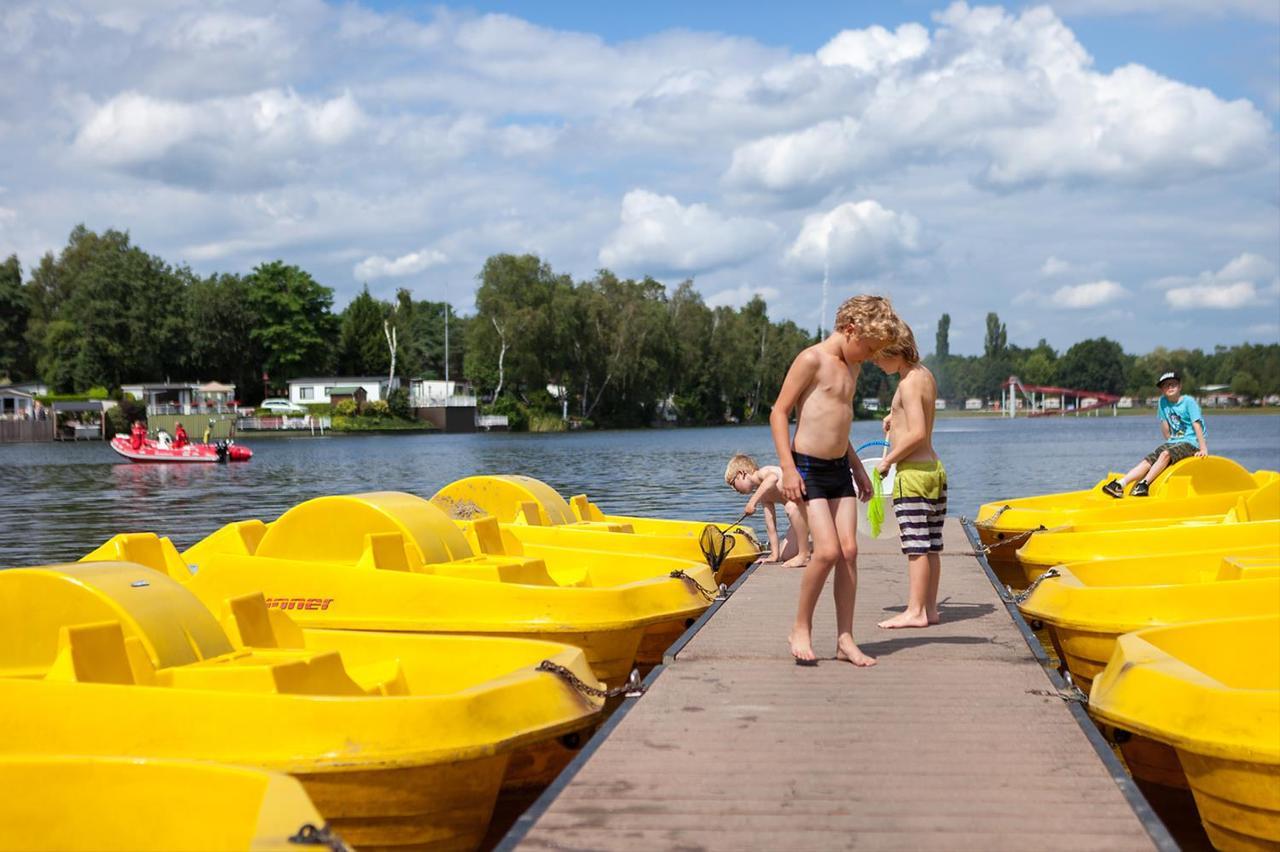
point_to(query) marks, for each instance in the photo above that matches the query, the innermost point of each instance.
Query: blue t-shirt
(1180, 415)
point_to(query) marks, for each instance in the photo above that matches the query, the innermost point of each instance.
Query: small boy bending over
(920, 484)
(1183, 427)
(821, 466)
(746, 477)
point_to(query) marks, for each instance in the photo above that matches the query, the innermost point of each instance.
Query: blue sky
(1090, 167)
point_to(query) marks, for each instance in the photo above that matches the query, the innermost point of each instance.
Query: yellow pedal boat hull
(523, 501)
(117, 804)
(393, 561)
(1191, 488)
(1210, 690)
(1090, 604)
(399, 740)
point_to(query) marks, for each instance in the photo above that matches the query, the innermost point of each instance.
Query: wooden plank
(948, 743)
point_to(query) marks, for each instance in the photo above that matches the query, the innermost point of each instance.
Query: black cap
(1169, 375)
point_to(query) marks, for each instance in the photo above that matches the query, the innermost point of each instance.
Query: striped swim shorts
(920, 505)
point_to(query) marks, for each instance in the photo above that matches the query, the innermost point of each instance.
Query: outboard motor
(222, 449)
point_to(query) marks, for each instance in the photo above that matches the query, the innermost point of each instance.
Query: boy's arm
(765, 485)
(771, 527)
(860, 479)
(909, 430)
(1204, 447)
(799, 377)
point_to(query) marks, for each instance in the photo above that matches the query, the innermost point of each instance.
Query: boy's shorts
(1178, 450)
(825, 479)
(920, 505)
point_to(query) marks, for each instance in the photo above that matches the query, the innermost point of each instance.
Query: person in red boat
(137, 433)
(180, 438)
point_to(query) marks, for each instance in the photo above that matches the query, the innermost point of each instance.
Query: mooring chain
(309, 835)
(631, 689)
(720, 594)
(1070, 694)
(991, 521)
(983, 550)
(1021, 597)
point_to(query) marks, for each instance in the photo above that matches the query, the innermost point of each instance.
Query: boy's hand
(749, 509)
(792, 485)
(862, 481)
(883, 467)
(1201, 453)
(886, 425)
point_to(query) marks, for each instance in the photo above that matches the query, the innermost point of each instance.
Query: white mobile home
(315, 390)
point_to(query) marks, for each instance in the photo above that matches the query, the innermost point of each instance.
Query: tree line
(540, 345)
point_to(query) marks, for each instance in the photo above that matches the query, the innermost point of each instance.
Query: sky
(1083, 168)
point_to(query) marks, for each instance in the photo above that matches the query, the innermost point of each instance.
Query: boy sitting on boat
(745, 476)
(1183, 427)
(920, 484)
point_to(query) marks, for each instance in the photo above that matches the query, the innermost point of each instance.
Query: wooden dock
(956, 740)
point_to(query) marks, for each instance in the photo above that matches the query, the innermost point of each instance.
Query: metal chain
(991, 521)
(309, 835)
(1021, 597)
(1070, 694)
(719, 594)
(983, 550)
(631, 689)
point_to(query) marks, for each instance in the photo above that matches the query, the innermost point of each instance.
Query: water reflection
(61, 500)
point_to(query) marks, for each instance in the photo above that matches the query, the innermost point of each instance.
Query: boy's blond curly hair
(740, 463)
(869, 317)
(903, 345)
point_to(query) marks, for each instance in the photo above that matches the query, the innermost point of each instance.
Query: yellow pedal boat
(1210, 690)
(1195, 487)
(399, 740)
(538, 514)
(1088, 605)
(393, 561)
(1254, 522)
(117, 804)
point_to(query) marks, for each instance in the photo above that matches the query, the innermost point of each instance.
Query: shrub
(541, 421)
(517, 414)
(377, 408)
(345, 408)
(399, 403)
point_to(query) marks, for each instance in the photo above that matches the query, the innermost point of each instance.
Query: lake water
(58, 501)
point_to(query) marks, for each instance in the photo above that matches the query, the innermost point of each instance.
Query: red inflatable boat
(153, 451)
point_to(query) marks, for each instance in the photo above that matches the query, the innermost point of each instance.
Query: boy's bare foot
(905, 620)
(796, 561)
(848, 652)
(802, 648)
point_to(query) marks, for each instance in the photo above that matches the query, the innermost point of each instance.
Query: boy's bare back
(915, 397)
(824, 411)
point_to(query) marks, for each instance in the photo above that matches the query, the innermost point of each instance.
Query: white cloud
(659, 234)
(1014, 97)
(1219, 296)
(1053, 267)
(1089, 295)
(736, 297)
(861, 238)
(378, 266)
(1241, 282)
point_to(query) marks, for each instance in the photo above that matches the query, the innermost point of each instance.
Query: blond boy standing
(920, 484)
(819, 466)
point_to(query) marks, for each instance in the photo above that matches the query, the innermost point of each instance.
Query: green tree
(220, 345)
(1244, 384)
(942, 342)
(294, 328)
(1096, 364)
(997, 338)
(362, 343)
(15, 314)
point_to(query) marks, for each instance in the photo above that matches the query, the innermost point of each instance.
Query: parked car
(280, 405)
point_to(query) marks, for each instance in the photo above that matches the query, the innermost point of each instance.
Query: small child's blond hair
(903, 345)
(739, 464)
(870, 317)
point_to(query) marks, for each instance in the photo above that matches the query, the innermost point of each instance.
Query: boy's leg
(826, 552)
(915, 615)
(845, 587)
(1138, 472)
(931, 597)
(797, 534)
(1162, 461)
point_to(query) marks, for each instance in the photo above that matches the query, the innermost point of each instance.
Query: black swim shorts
(828, 479)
